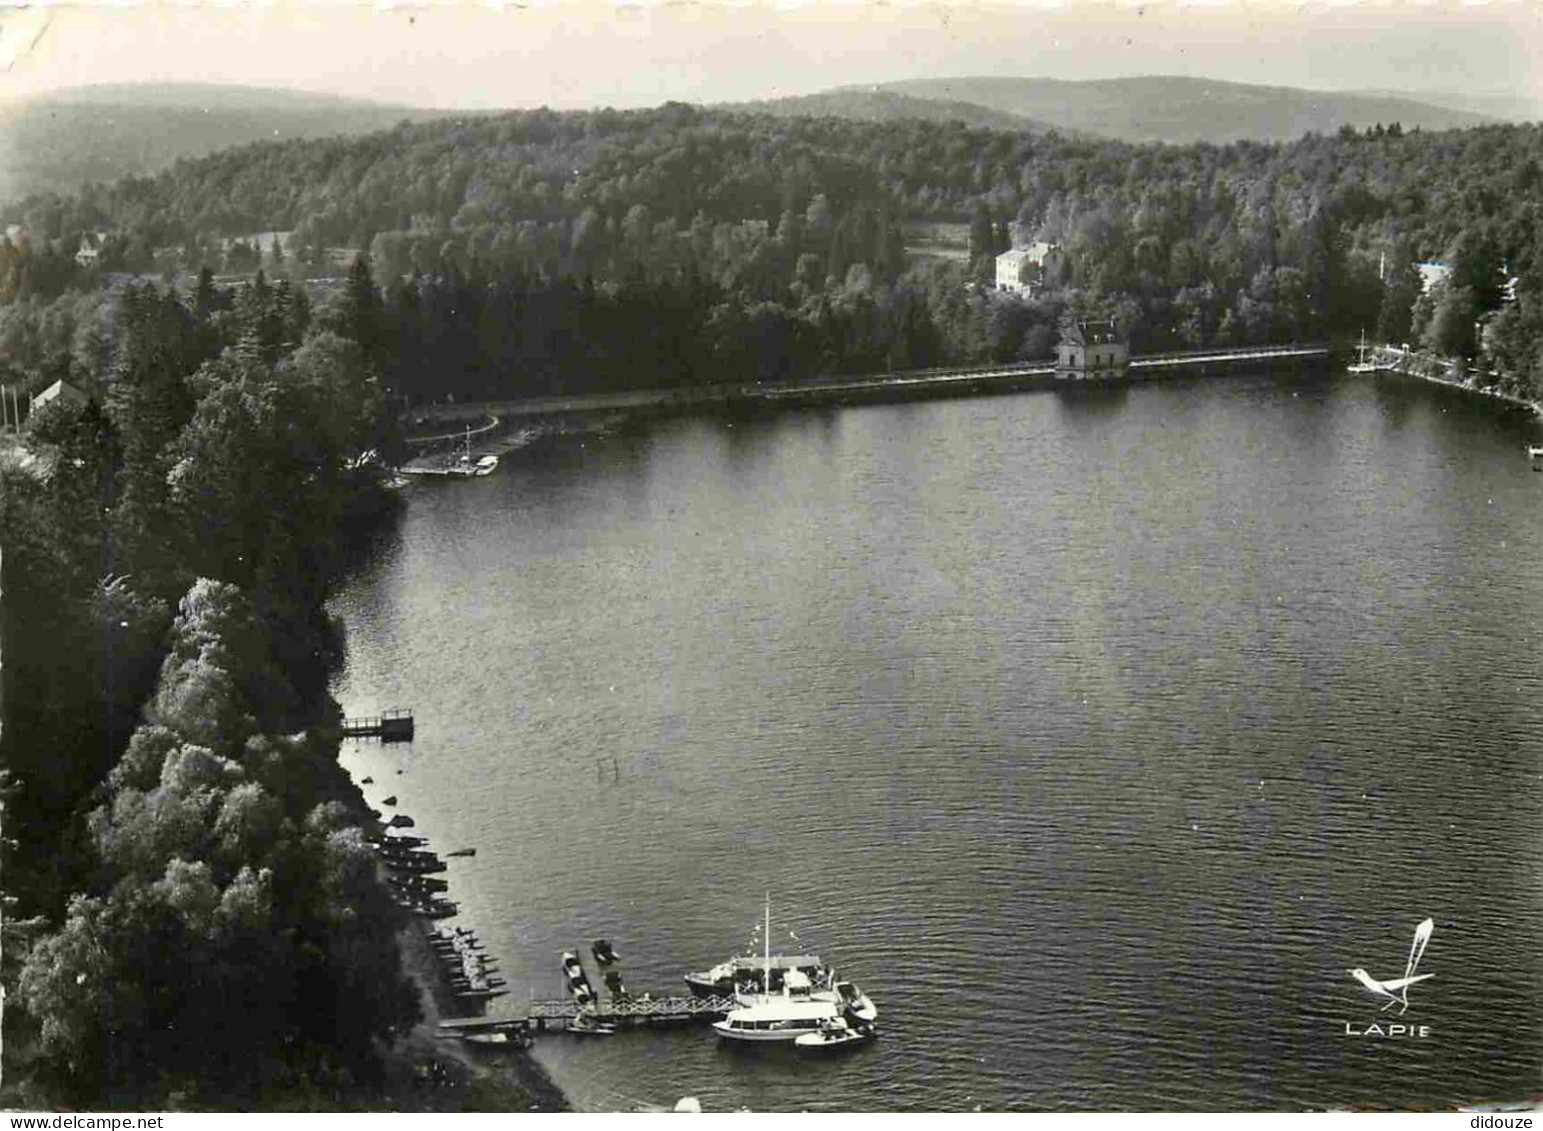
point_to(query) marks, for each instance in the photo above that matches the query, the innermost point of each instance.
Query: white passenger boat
(778, 1017)
(749, 975)
(796, 986)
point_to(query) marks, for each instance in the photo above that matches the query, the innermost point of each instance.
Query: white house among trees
(1022, 270)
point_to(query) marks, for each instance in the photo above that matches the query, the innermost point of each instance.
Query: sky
(578, 53)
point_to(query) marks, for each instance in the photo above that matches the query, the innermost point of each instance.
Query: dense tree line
(794, 229)
(174, 803)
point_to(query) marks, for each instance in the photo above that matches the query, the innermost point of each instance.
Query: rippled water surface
(1095, 736)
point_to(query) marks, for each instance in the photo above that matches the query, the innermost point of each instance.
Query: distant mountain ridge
(1508, 107)
(61, 140)
(875, 104)
(1184, 110)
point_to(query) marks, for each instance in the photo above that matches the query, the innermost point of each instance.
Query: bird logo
(1396, 990)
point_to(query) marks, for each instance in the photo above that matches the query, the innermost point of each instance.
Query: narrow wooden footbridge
(623, 1012)
(645, 1011)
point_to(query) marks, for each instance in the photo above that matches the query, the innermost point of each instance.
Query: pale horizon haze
(580, 53)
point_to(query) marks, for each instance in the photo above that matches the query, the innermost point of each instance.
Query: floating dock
(392, 726)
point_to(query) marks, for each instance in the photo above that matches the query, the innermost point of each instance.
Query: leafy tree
(1451, 328)
(1401, 290)
(220, 899)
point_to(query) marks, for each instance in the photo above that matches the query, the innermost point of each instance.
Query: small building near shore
(1092, 350)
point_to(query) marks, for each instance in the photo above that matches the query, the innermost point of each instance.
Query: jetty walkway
(628, 1012)
(391, 726)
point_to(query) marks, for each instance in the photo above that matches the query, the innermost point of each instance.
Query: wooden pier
(392, 726)
(642, 1011)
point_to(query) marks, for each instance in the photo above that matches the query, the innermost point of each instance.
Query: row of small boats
(412, 872)
(469, 972)
(412, 875)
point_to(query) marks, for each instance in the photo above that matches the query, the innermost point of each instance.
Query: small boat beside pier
(588, 1024)
(578, 981)
(491, 1032)
(396, 842)
(837, 1034)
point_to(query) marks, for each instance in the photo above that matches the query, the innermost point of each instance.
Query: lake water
(1096, 736)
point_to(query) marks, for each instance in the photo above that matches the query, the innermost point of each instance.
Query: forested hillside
(206, 926)
(533, 251)
(876, 104)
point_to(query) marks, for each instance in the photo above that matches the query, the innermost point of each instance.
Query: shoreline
(509, 436)
(1379, 365)
(504, 1079)
(423, 1072)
